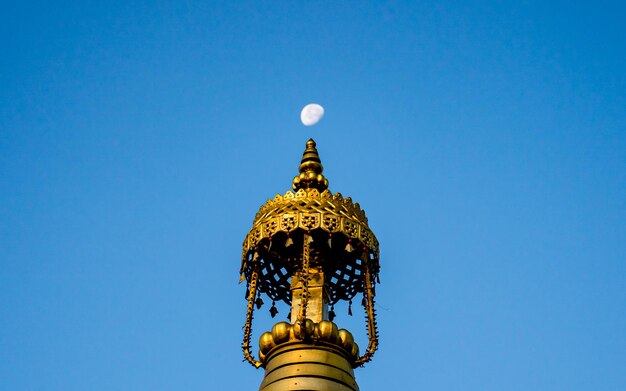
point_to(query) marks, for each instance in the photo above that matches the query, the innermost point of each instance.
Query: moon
(311, 114)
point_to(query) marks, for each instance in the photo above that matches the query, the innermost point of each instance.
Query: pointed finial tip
(310, 170)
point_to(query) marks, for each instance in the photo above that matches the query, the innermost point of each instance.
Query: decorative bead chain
(249, 316)
(372, 328)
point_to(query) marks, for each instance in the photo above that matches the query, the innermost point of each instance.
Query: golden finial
(310, 170)
(310, 250)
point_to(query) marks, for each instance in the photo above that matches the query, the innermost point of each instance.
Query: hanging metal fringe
(350, 308)
(273, 309)
(331, 313)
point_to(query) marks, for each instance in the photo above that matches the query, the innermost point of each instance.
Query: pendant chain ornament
(273, 310)
(259, 302)
(248, 325)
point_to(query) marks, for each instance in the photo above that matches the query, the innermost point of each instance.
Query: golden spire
(310, 170)
(310, 249)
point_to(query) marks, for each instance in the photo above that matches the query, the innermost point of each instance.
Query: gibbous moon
(311, 114)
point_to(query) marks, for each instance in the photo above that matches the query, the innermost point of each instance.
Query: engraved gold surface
(310, 210)
(317, 297)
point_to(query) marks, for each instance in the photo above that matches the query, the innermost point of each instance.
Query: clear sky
(485, 140)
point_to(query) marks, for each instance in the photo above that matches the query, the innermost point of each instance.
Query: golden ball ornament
(266, 342)
(280, 332)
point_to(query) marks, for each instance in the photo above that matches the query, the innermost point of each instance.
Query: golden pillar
(310, 248)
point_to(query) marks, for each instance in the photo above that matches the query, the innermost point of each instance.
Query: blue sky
(485, 140)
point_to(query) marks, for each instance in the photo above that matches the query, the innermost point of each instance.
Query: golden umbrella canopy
(306, 230)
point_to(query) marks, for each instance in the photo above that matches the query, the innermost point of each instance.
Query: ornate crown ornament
(306, 235)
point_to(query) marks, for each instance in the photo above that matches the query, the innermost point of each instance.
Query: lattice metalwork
(340, 236)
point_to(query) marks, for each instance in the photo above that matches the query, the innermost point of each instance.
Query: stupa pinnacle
(310, 170)
(310, 249)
